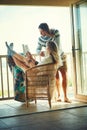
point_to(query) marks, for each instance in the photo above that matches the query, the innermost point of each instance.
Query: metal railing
(6, 77)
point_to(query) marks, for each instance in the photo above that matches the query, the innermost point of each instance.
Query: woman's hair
(53, 51)
(45, 27)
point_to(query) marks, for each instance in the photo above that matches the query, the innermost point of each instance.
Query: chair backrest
(40, 81)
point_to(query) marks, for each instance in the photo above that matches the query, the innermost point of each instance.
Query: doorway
(76, 58)
(79, 49)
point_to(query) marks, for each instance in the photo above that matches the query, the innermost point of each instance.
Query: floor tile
(52, 120)
(12, 108)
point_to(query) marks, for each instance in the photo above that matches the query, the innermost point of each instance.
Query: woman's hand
(42, 53)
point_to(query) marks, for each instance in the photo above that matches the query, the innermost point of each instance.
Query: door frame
(77, 96)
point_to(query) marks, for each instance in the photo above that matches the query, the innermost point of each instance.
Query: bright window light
(19, 24)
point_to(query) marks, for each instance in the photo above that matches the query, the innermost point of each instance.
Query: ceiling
(39, 2)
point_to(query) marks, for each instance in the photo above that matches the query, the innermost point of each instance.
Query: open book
(25, 49)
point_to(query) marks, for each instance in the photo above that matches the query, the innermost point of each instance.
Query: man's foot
(67, 100)
(59, 99)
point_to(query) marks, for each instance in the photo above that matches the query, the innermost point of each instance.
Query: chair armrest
(44, 66)
(39, 70)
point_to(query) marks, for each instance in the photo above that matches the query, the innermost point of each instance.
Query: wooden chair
(40, 82)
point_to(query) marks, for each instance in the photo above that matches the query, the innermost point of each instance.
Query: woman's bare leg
(13, 53)
(19, 57)
(21, 61)
(20, 64)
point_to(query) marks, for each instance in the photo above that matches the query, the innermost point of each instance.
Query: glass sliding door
(79, 48)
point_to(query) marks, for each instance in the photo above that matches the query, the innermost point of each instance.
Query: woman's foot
(7, 45)
(10, 51)
(11, 47)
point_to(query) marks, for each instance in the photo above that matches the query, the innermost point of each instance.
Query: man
(53, 35)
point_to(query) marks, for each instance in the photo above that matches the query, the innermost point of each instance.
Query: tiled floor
(58, 119)
(12, 108)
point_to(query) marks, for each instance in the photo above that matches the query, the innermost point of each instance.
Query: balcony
(6, 77)
(9, 107)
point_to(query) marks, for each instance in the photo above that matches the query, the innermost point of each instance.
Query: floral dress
(18, 74)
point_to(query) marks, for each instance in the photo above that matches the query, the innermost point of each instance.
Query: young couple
(50, 39)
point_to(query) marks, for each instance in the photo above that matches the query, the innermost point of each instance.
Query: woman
(19, 64)
(28, 61)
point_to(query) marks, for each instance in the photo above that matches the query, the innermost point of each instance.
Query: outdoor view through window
(19, 24)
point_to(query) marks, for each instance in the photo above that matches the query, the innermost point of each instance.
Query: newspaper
(25, 49)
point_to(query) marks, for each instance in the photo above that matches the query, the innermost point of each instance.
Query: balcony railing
(6, 77)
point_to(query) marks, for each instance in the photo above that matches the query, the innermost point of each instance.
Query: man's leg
(58, 85)
(64, 83)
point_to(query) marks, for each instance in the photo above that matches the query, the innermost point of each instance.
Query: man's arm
(38, 49)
